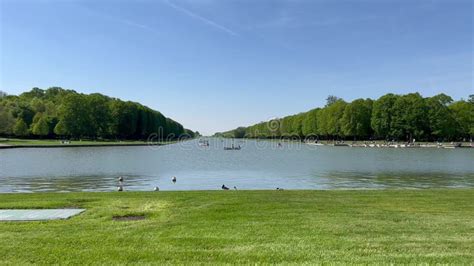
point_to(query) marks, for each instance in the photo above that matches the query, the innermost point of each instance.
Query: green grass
(386, 226)
(46, 142)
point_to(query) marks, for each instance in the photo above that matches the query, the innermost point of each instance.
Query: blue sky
(214, 65)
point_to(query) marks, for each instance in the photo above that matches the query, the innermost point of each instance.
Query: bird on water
(224, 187)
(173, 179)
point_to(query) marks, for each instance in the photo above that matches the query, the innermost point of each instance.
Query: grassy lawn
(46, 142)
(397, 226)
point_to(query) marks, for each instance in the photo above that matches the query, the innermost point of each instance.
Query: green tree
(69, 113)
(441, 120)
(124, 119)
(239, 132)
(7, 121)
(409, 118)
(381, 118)
(98, 115)
(463, 113)
(60, 129)
(331, 99)
(74, 114)
(356, 119)
(330, 119)
(41, 127)
(20, 128)
(297, 125)
(310, 123)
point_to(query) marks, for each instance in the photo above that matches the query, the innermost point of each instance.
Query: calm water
(259, 165)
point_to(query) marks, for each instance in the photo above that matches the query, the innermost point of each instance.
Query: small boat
(232, 148)
(204, 143)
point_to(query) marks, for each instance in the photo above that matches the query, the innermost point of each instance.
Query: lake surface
(258, 165)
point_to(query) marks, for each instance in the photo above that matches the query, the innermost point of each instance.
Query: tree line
(391, 117)
(61, 113)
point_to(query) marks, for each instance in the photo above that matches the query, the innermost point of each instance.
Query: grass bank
(398, 226)
(73, 143)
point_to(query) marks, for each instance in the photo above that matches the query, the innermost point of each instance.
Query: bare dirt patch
(129, 218)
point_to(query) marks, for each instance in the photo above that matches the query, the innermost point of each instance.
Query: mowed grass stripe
(398, 226)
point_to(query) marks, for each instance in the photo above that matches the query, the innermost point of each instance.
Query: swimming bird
(279, 188)
(224, 187)
(235, 188)
(119, 188)
(157, 189)
(120, 179)
(173, 179)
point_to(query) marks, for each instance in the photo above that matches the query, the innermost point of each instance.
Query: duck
(279, 188)
(173, 179)
(224, 187)
(120, 179)
(156, 189)
(235, 188)
(119, 188)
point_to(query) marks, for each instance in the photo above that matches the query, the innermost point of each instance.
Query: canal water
(257, 165)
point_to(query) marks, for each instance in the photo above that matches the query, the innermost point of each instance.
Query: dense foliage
(57, 112)
(391, 117)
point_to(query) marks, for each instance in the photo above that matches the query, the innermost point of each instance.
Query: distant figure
(224, 187)
(120, 179)
(157, 189)
(235, 188)
(173, 179)
(279, 144)
(120, 188)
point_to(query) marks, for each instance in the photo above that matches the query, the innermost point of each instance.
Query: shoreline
(54, 143)
(290, 190)
(394, 145)
(370, 143)
(79, 145)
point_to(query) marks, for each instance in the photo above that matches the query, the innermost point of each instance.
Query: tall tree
(74, 115)
(310, 123)
(441, 120)
(7, 121)
(330, 119)
(409, 118)
(331, 99)
(99, 114)
(463, 113)
(381, 118)
(40, 128)
(20, 128)
(356, 119)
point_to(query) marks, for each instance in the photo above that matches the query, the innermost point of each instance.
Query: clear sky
(214, 65)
